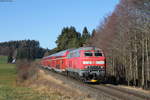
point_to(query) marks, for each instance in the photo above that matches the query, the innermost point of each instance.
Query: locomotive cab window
(87, 54)
(98, 54)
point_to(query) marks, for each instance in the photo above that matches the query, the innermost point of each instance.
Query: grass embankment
(9, 89)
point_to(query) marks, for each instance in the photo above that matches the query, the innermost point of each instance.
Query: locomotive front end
(93, 65)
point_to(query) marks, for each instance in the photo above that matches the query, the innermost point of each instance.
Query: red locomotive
(86, 63)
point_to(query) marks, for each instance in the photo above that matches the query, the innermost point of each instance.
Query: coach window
(74, 54)
(71, 55)
(87, 54)
(97, 54)
(78, 54)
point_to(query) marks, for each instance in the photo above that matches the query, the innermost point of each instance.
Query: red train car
(86, 63)
(57, 61)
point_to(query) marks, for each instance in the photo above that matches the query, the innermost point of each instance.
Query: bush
(10, 59)
(26, 70)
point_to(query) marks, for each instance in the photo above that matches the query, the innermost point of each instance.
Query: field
(10, 91)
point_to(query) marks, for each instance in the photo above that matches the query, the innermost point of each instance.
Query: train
(85, 63)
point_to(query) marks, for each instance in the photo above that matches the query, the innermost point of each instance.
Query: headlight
(100, 62)
(87, 62)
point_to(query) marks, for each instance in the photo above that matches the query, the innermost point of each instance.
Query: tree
(85, 35)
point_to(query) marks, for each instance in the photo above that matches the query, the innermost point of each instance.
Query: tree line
(22, 49)
(124, 36)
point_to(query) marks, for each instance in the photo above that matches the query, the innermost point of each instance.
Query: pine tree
(85, 35)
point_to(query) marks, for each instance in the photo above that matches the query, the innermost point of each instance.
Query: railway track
(120, 94)
(110, 91)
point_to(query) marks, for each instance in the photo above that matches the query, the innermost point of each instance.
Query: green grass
(3, 59)
(7, 74)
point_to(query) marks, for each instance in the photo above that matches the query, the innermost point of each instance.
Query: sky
(43, 20)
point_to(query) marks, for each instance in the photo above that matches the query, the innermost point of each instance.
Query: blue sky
(43, 20)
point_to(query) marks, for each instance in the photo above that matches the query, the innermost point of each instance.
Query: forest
(124, 36)
(22, 49)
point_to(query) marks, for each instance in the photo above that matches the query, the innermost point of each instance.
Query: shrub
(26, 70)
